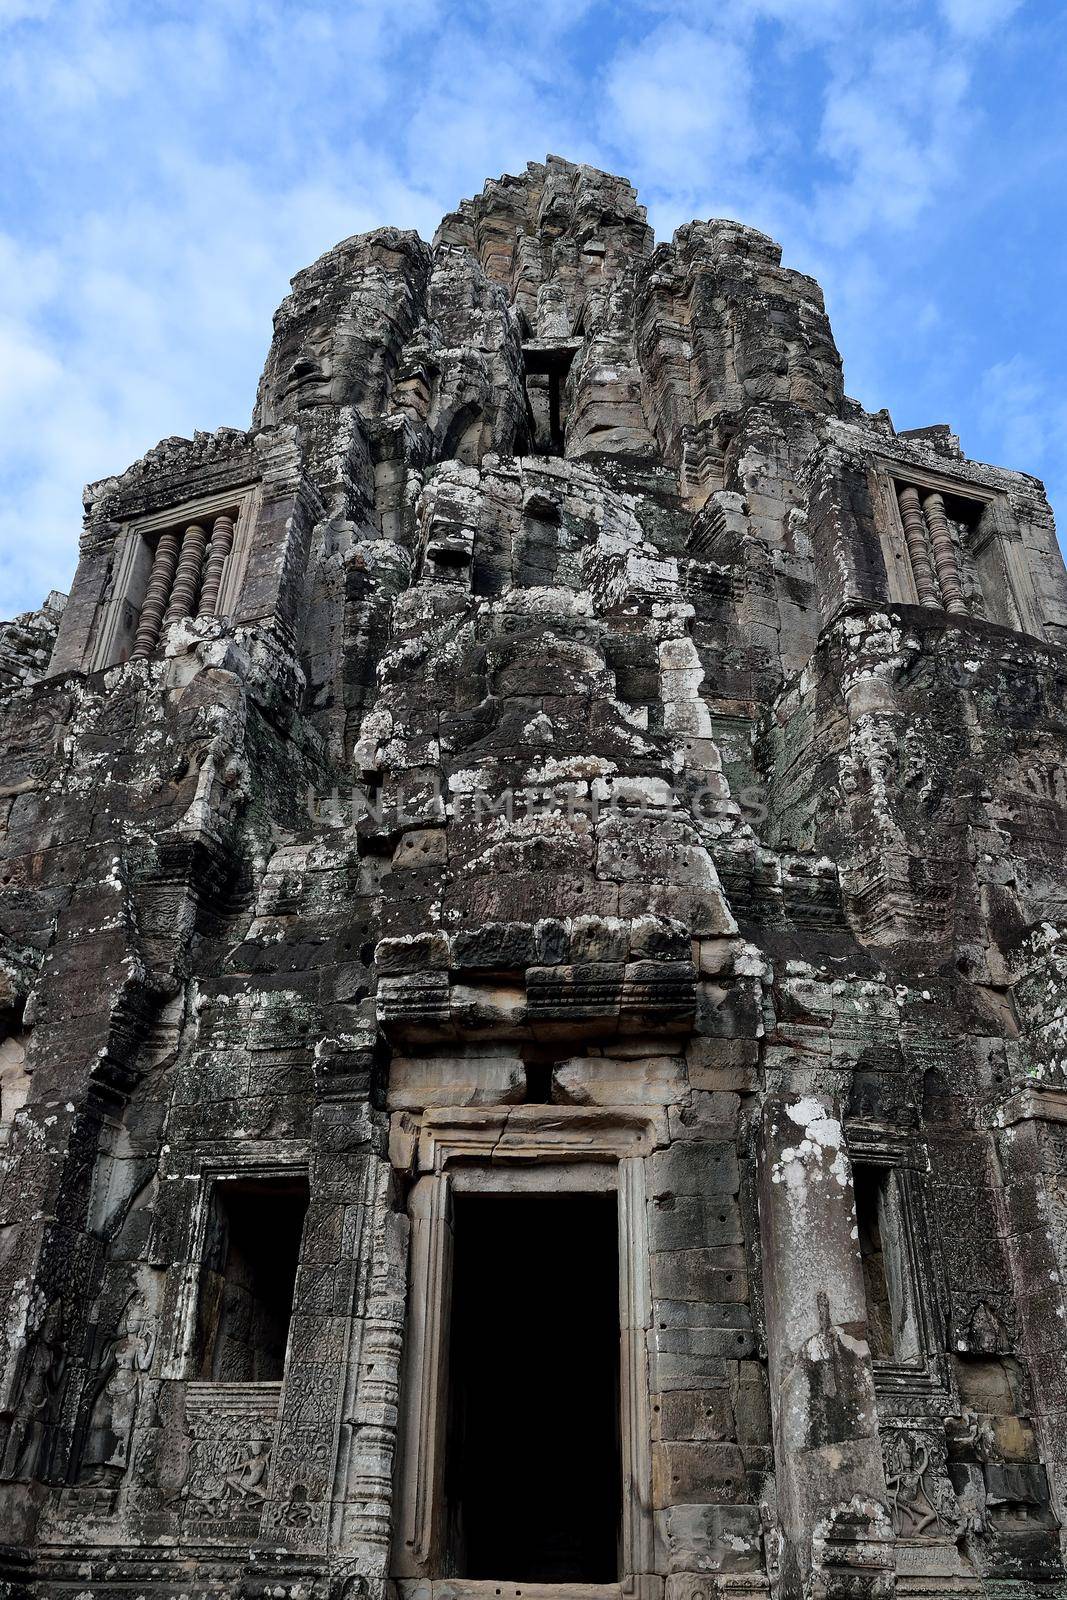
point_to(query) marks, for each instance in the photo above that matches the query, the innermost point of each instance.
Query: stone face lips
(565, 743)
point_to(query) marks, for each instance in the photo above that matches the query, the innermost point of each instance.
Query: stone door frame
(521, 1148)
(208, 1174)
(903, 1159)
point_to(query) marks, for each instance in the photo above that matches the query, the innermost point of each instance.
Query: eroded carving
(551, 785)
(117, 1391)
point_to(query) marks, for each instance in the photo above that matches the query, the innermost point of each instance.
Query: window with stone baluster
(953, 546)
(186, 562)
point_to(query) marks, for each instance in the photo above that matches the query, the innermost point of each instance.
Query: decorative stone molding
(469, 1146)
(536, 1134)
(507, 981)
(1034, 1104)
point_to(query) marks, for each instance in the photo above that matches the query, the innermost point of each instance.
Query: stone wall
(565, 743)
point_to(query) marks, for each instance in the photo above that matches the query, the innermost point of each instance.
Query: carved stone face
(135, 1314)
(308, 367)
(341, 328)
(308, 379)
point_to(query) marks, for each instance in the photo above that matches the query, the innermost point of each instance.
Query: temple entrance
(533, 1478)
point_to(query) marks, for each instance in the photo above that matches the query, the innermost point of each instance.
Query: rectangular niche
(546, 363)
(209, 582)
(901, 1274)
(251, 1227)
(533, 1479)
(525, 1381)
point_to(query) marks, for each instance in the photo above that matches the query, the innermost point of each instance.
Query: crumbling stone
(566, 747)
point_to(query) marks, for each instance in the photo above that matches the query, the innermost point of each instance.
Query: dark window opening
(546, 367)
(533, 1476)
(870, 1183)
(538, 1083)
(250, 1260)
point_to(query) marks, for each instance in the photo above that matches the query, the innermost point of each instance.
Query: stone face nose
(532, 961)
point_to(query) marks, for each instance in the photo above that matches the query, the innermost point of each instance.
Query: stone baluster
(187, 578)
(918, 551)
(946, 559)
(221, 545)
(156, 596)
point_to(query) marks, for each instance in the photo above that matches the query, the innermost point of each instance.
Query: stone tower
(534, 976)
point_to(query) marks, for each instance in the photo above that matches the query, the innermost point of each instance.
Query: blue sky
(167, 168)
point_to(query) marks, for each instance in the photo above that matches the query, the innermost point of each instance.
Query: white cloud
(12, 11)
(682, 98)
(1025, 412)
(484, 113)
(893, 126)
(142, 305)
(823, 118)
(974, 18)
(806, 17)
(144, 325)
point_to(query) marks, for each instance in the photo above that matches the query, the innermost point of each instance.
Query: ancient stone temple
(534, 966)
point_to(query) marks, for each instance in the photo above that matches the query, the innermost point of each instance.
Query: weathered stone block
(693, 1414)
(607, 1081)
(713, 1538)
(698, 1167)
(698, 1473)
(699, 1275)
(419, 1081)
(495, 947)
(677, 1222)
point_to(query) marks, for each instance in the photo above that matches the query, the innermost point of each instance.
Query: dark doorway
(546, 366)
(870, 1185)
(250, 1259)
(533, 1475)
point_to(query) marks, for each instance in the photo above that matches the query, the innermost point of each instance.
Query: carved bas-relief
(532, 962)
(31, 1436)
(117, 1391)
(232, 1435)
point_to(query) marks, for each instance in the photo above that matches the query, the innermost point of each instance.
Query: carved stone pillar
(156, 596)
(918, 554)
(221, 545)
(1033, 1157)
(828, 1458)
(187, 578)
(418, 1530)
(362, 1504)
(946, 559)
